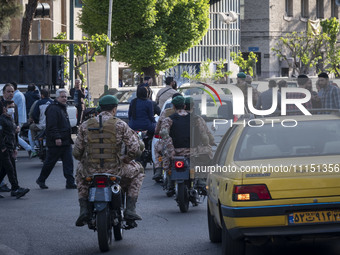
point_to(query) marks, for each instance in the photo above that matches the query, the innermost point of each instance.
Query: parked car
(275, 181)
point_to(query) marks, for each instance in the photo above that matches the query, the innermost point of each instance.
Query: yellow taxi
(275, 177)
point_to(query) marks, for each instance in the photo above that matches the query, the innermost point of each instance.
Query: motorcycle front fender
(100, 206)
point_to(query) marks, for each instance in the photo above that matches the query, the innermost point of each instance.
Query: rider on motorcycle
(175, 132)
(38, 114)
(201, 141)
(141, 112)
(92, 159)
(158, 148)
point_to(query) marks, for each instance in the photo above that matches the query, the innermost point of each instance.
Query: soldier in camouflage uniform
(200, 133)
(201, 141)
(175, 131)
(158, 148)
(87, 147)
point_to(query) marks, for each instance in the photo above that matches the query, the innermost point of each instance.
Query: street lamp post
(228, 18)
(108, 48)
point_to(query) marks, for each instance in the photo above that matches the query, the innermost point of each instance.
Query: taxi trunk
(295, 177)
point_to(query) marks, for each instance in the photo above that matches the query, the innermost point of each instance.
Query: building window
(335, 9)
(289, 8)
(78, 3)
(242, 9)
(319, 9)
(305, 8)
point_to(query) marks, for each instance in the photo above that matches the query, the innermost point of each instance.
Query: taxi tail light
(179, 164)
(251, 192)
(100, 182)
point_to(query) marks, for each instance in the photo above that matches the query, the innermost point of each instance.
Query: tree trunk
(150, 71)
(26, 26)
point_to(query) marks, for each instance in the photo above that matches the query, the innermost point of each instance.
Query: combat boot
(158, 174)
(130, 211)
(84, 213)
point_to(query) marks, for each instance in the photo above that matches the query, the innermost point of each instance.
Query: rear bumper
(279, 227)
(275, 210)
(296, 230)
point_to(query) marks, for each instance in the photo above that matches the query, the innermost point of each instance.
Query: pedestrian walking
(58, 141)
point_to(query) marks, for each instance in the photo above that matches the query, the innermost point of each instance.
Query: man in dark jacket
(8, 152)
(58, 141)
(31, 96)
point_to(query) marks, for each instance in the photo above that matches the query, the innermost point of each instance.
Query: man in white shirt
(165, 93)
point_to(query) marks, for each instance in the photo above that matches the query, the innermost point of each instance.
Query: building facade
(214, 44)
(264, 22)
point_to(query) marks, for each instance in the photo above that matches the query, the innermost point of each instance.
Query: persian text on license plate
(314, 217)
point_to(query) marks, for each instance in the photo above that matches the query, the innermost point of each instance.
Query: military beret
(189, 103)
(241, 75)
(189, 100)
(179, 100)
(108, 100)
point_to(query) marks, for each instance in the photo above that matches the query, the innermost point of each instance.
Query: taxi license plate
(314, 217)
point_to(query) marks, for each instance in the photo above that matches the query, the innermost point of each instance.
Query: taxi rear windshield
(308, 138)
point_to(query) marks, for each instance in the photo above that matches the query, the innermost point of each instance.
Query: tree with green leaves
(149, 35)
(331, 27)
(247, 65)
(205, 74)
(304, 48)
(8, 9)
(96, 46)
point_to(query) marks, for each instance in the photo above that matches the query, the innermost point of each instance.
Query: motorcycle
(187, 188)
(146, 156)
(40, 147)
(107, 204)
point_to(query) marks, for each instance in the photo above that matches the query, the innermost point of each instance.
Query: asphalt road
(42, 223)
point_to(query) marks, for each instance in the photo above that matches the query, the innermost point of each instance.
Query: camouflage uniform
(132, 173)
(158, 149)
(169, 149)
(204, 148)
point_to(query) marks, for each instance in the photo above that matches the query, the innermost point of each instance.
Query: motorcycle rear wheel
(104, 229)
(182, 197)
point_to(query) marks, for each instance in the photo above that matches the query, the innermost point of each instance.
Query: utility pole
(108, 49)
(71, 38)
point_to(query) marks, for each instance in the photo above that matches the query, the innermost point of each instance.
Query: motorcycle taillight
(100, 182)
(179, 164)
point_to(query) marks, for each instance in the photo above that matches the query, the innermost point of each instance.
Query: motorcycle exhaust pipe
(115, 189)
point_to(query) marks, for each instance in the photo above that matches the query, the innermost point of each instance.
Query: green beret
(108, 100)
(241, 75)
(189, 103)
(179, 100)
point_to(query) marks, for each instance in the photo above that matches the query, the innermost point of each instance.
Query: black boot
(158, 174)
(170, 191)
(130, 211)
(84, 213)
